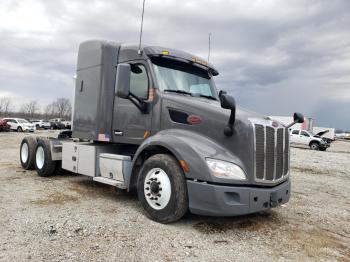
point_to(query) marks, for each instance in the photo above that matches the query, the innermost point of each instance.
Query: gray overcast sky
(275, 57)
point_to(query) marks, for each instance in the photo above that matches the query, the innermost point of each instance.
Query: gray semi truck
(150, 120)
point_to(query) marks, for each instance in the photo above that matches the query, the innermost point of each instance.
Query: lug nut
(148, 183)
(159, 195)
(148, 194)
(147, 188)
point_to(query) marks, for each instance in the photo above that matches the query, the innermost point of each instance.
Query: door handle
(118, 132)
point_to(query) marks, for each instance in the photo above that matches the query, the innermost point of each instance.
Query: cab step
(108, 181)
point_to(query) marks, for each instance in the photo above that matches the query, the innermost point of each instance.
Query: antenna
(209, 47)
(143, 11)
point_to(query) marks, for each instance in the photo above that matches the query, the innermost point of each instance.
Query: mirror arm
(292, 124)
(139, 103)
(228, 130)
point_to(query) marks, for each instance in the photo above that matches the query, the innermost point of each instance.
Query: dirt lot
(71, 218)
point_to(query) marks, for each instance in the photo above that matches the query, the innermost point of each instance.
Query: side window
(304, 133)
(139, 81)
(295, 132)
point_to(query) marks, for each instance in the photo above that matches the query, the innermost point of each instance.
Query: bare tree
(5, 105)
(50, 111)
(60, 108)
(63, 107)
(30, 108)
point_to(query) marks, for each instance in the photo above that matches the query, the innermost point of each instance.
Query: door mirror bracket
(228, 102)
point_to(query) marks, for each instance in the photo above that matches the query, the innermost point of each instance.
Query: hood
(208, 107)
(322, 133)
(176, 108)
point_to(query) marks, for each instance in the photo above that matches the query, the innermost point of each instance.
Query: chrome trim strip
(275, 154)
(284, 150)
(254, 155)
(264, 153)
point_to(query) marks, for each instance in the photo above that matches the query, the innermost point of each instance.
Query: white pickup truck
(306, 138)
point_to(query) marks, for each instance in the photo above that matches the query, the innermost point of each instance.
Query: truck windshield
(183, 78)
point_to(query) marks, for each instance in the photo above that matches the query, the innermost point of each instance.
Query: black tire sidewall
(19, 129)
(316, 148)
(49, 166)
(178, 203)
(31, 143)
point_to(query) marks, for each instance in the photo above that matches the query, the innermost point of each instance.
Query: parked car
(4, 126)
(66, 124)
(56, 125)
(42, 124)
(306, 138)
(20, 124)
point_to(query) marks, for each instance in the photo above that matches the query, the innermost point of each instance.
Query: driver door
(130, 125)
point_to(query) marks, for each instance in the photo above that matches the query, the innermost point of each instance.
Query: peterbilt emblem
(274, 124)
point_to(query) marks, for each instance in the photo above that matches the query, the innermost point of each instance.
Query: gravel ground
(71, 218)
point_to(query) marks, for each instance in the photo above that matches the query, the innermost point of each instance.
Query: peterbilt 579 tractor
(150, 120)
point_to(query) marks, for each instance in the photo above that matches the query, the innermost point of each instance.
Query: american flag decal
(104, 137)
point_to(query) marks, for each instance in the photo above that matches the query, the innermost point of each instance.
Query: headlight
(224, 169)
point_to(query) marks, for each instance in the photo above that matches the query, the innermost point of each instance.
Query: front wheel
(19, 129)
(162, 189)
(314, 146)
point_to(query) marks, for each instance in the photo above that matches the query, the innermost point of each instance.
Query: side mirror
(222, 92)
(122, 80)
(228, 102)
(298, 117)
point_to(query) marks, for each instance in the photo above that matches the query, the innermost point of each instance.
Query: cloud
(275, 57)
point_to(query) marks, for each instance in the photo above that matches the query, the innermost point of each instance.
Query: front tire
(162, 190)
(27, 152)
(19, 129)
(44, 164)
(314, 146)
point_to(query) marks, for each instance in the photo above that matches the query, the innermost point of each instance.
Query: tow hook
(273, 200)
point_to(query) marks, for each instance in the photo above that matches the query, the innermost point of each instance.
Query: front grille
(271, 153)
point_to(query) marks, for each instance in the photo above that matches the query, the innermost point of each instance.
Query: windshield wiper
(178, 91)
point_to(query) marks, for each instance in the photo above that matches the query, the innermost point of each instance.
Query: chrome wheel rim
(24, 152)
(40, 157)
(157, 188)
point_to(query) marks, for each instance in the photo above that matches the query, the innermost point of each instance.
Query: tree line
(59, 108)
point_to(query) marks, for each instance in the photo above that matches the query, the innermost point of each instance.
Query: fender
(191, 147)
(314, 141)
